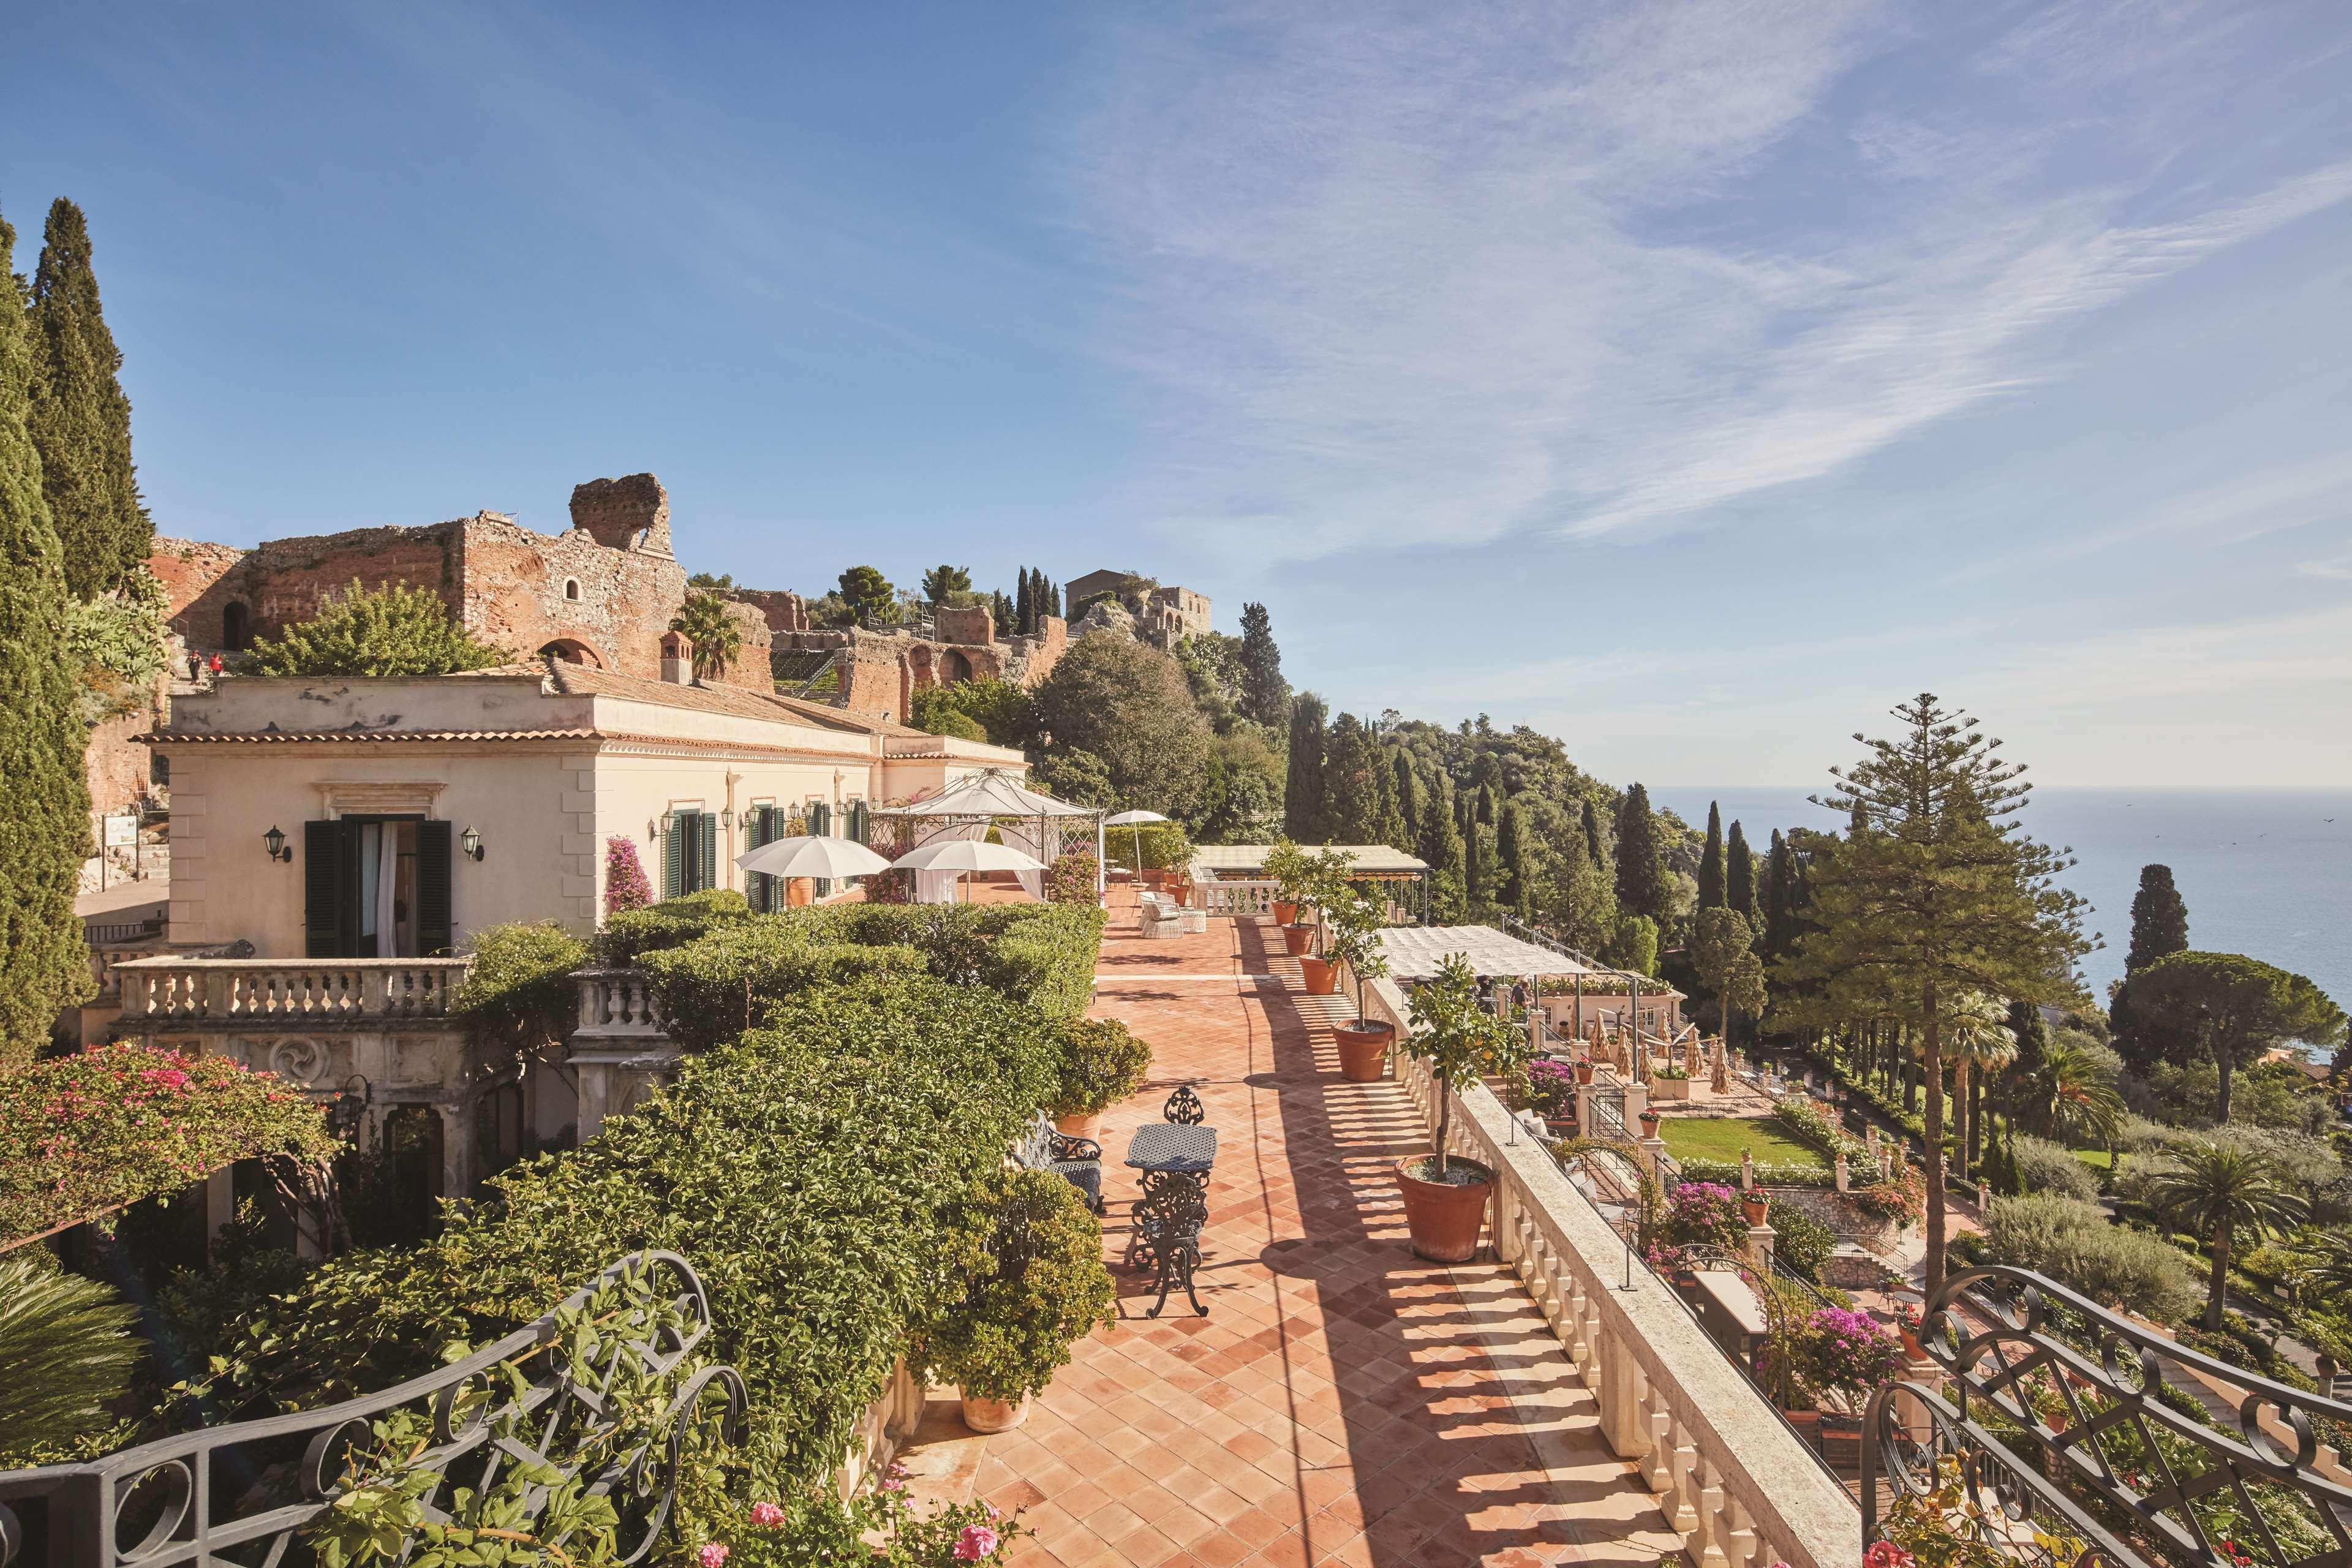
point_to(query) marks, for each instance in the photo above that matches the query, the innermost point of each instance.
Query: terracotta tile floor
(1343, 1402)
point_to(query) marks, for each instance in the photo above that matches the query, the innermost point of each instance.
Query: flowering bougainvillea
(625, 887)
(84, 1134)
(1704, 1214)
(1849, 1354)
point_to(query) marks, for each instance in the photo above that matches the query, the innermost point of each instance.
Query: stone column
(1624, 1426)
(1759, 1248)
(456, 1150)
(220, 1204)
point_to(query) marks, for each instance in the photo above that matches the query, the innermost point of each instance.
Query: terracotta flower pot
(1081, 1126)
(1155, 877)
(1560, 1126)
(993, 1414)
(1322, 979)
(1363, 1051)
(1650, 1125)
(1284, 911)
(1584, 1072)
(1446, 1218)
(1296, 938)
(1755, 1209)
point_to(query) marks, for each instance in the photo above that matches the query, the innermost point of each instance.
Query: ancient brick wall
(525, 591)
(973, 625)
(785, 612)
(187, 568)
(276, 584)
(750, 669)
(628, 514)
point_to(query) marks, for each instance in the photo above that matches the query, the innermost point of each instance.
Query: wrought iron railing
(2059, 1445)
(245, 1493)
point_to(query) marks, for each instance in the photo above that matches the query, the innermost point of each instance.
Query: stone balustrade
(1250, 898)
(1731, 1480)
(306, 991)
(618, 1004)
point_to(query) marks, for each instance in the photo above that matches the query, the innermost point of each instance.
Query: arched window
(237, 626)
(572, 587)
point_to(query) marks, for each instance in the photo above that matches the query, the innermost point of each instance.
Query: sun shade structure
(1366, 863)
(960, 855)
(1414, 953)
(830, 858)
(1040, 826)
(1135, 819)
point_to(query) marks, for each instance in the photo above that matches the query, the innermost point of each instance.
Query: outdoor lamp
(471, 843)
(726, 816)
(275, 842)
(349, 1108)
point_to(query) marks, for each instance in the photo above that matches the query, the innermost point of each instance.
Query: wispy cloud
(1398, 281)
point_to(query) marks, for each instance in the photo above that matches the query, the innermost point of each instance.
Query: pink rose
(712, 1555)
(976, 1542)
(766, 1514)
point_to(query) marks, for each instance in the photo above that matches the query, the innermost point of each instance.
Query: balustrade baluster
(1707, 1551)
(1681, 1488)
(1658, 1471)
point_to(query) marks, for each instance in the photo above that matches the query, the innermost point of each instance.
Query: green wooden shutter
(709, 851)
(673, 855)
(820, 819)
(324, 914)
(436, 926)
(758, 829)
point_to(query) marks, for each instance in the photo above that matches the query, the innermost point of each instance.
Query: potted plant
(1355, 942)
(1649, 1122)
(1551, 1092)
(1754, 1205)
(1671, 1081)
(1033, 1285)
(1444, 1196)
(1584, 1069)
(1102, 1064)
(1287, 868)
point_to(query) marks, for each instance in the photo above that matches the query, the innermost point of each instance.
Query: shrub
(1704, 1214)
(1165, 846)
(1803, 1243)
(1769, 1172)
(1102, 1064)
(815, 1172)
(2043, 1166)
(520, 994)
(1846, 1355)
(396, 629)
(632, 933)
(735, 977)
(1809, 1124)
(1071, 878)
(1551, 1086)
(2073, 1243)
(1033, 1285)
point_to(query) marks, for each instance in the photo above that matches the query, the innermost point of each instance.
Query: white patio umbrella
(830, 858)
(967, 854)
(1135, 819)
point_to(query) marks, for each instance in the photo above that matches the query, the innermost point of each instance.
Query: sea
(2265, 872)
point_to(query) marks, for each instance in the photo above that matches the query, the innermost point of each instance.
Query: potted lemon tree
(1102, 1064)
(1444, 1194)
(1327, 888)
(1035, 1285)
(1287, 868)
(1355, 924)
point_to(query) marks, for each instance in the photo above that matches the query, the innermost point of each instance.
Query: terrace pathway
(1344, 1402)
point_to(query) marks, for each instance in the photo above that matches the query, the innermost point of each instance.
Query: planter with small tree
(1035, 1285)
(1102, 1064)
(1444, 1196)
(1355, 944)
(1326, 890)
(1287, 868)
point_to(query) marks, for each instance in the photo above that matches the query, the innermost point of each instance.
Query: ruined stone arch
(954, 666)
(237, 625)
(572, 650)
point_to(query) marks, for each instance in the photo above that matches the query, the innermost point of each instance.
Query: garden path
(1344, 1402)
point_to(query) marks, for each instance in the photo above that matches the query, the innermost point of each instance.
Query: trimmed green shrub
(1033, 1283)
(738, 975)
(817, 1173)
(1803, 1243)
(2043, 1166)
(1102, 1064)
(2073, 1243)
(520, 993)
(630, 933)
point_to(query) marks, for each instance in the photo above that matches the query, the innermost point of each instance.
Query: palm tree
(2329, 1274)
(707, 622)
(67, 1345)
(2222, 1188)
(2070, 1095)
(1976, 1036)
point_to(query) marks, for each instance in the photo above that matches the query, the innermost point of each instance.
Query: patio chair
(1184, 1107)
(1077, 1160)
(1160, 915)
(1167, 1237)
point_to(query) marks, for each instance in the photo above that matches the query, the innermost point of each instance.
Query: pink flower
(893, 1484)
(976, 1542)
(991, 1508)
(766, 1514)
(1886, 1554)
(712, 1555)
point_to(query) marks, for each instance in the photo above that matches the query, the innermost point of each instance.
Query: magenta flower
(976, 1542)
(712, 1555)
(767, 1515)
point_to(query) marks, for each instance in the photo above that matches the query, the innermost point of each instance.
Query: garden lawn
(1723, 1137)
(2097, 1158)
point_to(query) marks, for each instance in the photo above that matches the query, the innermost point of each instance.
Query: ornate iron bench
(1167, 1239)
(1077, 1160)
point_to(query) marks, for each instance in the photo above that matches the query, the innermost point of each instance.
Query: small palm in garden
(2219, 1190)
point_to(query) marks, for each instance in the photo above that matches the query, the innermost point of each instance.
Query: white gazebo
(1037, 824)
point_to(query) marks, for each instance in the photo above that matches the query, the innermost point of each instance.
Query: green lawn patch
(2097, 1158)
(1723, 1137)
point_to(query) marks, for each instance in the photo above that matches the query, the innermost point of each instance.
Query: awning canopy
(1245, 860)
(1414, 953)
(992, 794)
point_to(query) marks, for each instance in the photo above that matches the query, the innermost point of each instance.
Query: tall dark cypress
(1406, 789)
(45, 832)
(1642, 885)
(1303, 815)
(1780, 899)
(1710, 861)
(1049, 598)
(1593, 845)
(1024, 605)
(1476, 851)
(1740, 877)
(1264, 693)
(79, 420)
(1487, 805)
(2159, 920)
(1511, 850)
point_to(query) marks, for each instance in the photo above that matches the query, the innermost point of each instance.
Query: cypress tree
(1710, 862)
(1442, 846)
(45, 833)
(1024, 604)
(1303, 816)
(1476, 851)
(1780, 899)
(1642, 886)
(1409, 804)
(1739, 879)
(1351, 783)
(1511, 851)
(79, 420)
(1593, 847)
(1264, 693)
(1049, 598)
(1487, 805)
(2160, 918)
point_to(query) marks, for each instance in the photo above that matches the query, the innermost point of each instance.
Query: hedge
(817, 1173)
(84, 1134)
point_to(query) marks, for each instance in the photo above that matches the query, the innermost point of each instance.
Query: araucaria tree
(396, 629)
(45, 832)
(1303, 816)
(1265, 696)
(78, 418)
(707, 621)
(1935, 893)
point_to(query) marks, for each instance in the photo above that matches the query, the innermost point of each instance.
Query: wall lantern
(275, 842)
(349, 1108)
(726, 816)
(471, 843)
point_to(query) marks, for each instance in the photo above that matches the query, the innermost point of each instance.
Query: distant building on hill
(1164, 614)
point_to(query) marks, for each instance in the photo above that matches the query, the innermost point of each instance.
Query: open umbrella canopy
(1127, 818)
(966, 854)
(832, 858)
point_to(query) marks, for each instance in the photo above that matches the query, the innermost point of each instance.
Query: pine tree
(1264, 693)
(79, 420)
(1303, 814)
(1710, 861)
(45, 833)
(1739, 879)
(1643, 887)
(2160, 918)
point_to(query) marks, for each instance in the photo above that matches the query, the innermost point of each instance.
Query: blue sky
(1690, 380)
